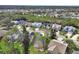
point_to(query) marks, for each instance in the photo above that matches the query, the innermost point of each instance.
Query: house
(56, 27)
(75, 39)
(70, 29)
(46, 25)
(57, 47)
(19, 22)
(37, 24)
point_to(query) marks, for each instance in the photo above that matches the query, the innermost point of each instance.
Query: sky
(40, 2)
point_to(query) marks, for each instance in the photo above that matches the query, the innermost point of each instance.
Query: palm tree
(53, 34)
(25, 40)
